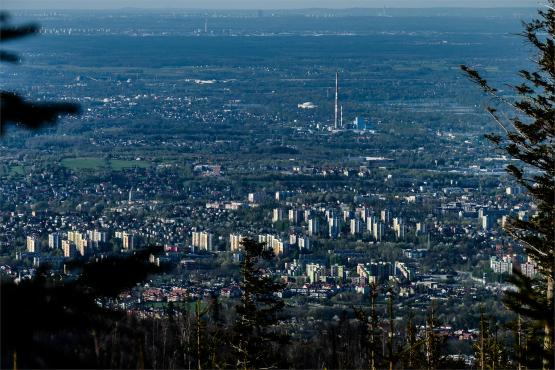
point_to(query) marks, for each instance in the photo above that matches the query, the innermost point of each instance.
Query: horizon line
(446, 6)
(268, 9)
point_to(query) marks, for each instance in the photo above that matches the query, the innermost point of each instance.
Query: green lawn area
(17, 170)
(11, 170)
(83, 163)
(92, 163)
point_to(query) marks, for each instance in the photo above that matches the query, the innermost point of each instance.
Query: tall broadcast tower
(336, 121)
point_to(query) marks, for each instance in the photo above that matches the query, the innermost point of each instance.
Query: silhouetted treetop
(13, 107)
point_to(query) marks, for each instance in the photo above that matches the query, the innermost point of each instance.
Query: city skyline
(257, 4)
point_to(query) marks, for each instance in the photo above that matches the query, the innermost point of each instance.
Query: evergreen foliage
(258, 310)
(49, 320)
(528, 136)
(411, 354)
(15, 109)
(488, 351)
(433, 342)
(373, 330)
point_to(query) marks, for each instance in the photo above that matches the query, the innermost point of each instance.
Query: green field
(11, 170)
(92, 163)
(17, 170)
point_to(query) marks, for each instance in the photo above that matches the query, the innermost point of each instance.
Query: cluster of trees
(56, 321)
(41, 316)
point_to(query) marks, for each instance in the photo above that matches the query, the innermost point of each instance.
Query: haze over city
(261, 4)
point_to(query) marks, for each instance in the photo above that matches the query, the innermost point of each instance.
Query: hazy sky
(258, 4)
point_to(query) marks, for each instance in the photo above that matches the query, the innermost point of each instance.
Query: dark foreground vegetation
(53, 321)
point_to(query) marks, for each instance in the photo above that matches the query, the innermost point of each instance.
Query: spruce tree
(481, 344)
(258, 310)
(527, 135)
(200, 333)
(374, 328)
(216, 333)
(487, 349)
(433, 342)
(391, 358)
(411, 354)
(371, 323)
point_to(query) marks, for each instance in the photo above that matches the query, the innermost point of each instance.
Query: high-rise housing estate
(313, 226)
(256, 197)
(334, 227)
(303, 242)
(295, 216)
(195, 239)
(278, 215)
(235, 241)
(363, 213)
(97, 236)
(279, 246)
(355, 226)
(128, 240)
(337, 271)
(374, 272)
(399, 227)
(68, 248)
(293, 239)
(32, 244)
(203, 240)
(281, 195)
(401, 269)
(385, 216)
(72, 235)
(315, 271)
(501, 266)
(486, 222)
(54, 241)
(274, 243)
(82, 246)
(377, 230)
(347, 215)
(529, 268)
(370, 223)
